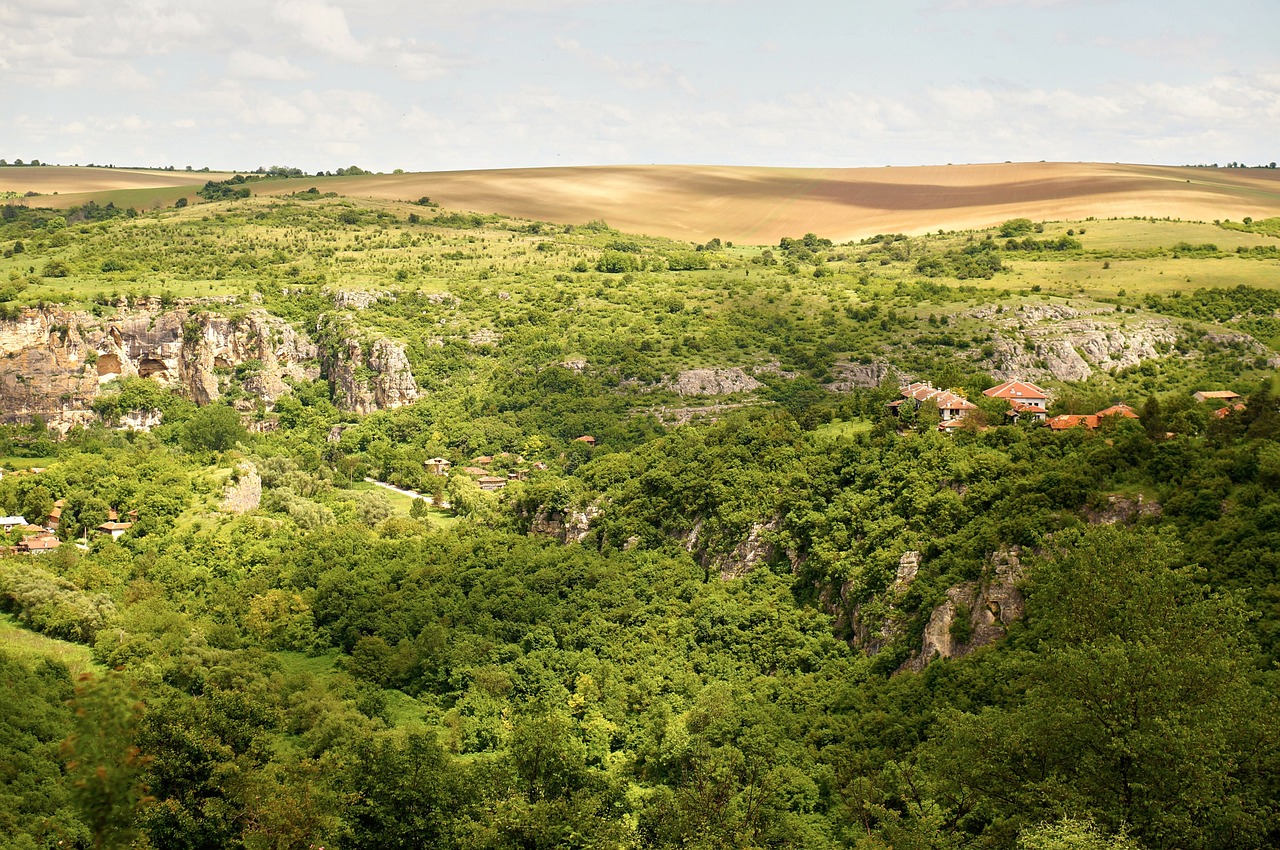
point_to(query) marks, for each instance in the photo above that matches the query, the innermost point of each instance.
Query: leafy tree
(1141, 705)
(213, 428)
(104, 764)
(401, 786)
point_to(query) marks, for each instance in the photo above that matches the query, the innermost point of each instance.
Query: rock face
(975, 614)
(1123, 509)
(713, 382)
(244, 491)
(52, 361)
(852, 376)
(748, 554)
(363, 380)
(141, 420)
(1039, 341)
(212, 342)
(45, 369)
(568, 526)
(358, 299)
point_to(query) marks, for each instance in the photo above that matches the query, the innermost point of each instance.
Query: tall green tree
(1142, 706)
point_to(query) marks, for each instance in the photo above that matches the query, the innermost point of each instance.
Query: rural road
(412, 494)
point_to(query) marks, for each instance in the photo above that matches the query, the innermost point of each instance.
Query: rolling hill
(748, 204)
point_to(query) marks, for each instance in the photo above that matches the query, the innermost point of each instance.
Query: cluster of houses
(1025, 400)
(479, 468)
(39, 539)
(1030, 401)
(1232, 400)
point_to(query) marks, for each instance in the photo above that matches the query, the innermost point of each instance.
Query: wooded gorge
(755, 609)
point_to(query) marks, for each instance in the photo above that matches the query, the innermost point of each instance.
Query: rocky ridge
(1038, 341)
(54, 361)
(365, 376)
(712, 382)
(975, 614)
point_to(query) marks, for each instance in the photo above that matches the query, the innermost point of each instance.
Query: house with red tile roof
(437, 466)
(1073, 420)
(39, 544)
(1090, 420)
(1215, 395)
(1118, 410)
(1020, 395)
(952, 406)
(114, 530)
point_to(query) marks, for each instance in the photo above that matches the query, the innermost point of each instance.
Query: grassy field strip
(23, 643)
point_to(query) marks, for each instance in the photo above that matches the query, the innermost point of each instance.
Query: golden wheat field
(758, 205)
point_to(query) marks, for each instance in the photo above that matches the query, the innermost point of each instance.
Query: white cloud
(967, 5)
(252, 108)
(245, 64)
(637, 76)
(323, 28)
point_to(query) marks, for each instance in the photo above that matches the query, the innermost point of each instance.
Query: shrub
(55, 268)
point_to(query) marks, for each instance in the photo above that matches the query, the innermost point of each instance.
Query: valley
(706, 576)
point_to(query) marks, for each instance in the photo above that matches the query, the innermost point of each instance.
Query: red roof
(1118, 410)
(1016, 390)
(40, 544)
(1067, 420)
(112, 525)
(945, 399)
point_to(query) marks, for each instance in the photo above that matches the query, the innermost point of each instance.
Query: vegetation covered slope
(298, 659)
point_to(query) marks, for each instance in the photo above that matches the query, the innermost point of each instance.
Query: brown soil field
(760, 205)
(752, 205)
(67, 180)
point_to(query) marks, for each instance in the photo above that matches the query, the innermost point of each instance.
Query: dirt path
(412, 494)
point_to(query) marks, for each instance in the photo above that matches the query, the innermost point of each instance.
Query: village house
(38, 545)
(1025, 399)
(1215, 395)
(1090, 420)
(491, 482)
(113, 529)
(54, 518)
(9, 523)
(952, 407)
(437, 466)
(586, 438)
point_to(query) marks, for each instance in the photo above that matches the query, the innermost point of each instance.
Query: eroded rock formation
(975, 614)
(713, 382)
(53, 361)
(365, 376)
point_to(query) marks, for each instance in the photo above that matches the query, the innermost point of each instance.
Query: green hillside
(760, 607)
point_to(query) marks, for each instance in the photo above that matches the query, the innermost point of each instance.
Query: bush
(616, 262)
(55, 268)
(213, 428)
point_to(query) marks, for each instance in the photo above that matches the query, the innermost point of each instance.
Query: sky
(426, 85)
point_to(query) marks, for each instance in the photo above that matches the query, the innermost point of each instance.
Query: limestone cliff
(712, 382)
(1038, 341)
(53, 360)
(365, 376)
(975, 614)
(570, 525)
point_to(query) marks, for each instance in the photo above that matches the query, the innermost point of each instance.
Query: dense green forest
(701, 629)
